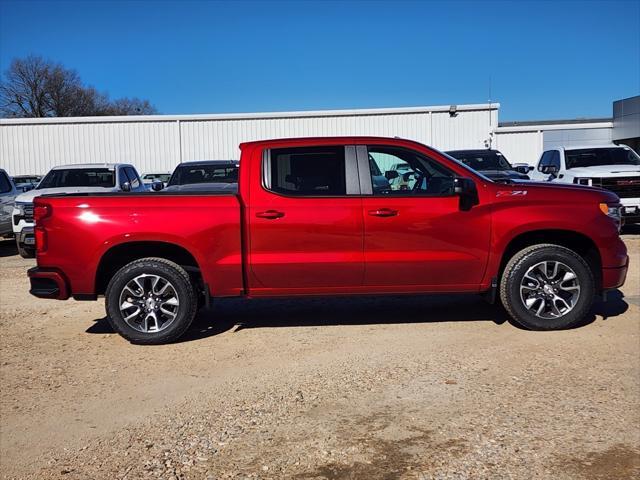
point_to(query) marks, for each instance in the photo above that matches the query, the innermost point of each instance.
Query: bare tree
(23, 93)
(131, 106)
(35, 87)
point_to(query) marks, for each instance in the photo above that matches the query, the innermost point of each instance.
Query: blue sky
(543, 59)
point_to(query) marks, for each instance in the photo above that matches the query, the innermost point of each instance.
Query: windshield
(22, 179)
(185, 175)
(78, 177)
(162, 177)
(489, 160)
(592, 157)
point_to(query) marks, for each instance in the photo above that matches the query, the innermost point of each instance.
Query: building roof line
(251, 116)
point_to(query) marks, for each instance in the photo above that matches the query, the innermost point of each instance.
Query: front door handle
(383, 212)
(270, 214)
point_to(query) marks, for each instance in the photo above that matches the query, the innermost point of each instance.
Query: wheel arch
(575, 241)
(121, 254)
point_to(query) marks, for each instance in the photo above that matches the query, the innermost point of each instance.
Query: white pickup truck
(612, 167)
(81, 178)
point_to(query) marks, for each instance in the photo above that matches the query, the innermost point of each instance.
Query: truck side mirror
(125, 186)
(550, 170)
(157, 185)
(391, 174)
(522, 168)
(466, 189)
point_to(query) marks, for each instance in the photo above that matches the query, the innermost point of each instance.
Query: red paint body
(259, 243)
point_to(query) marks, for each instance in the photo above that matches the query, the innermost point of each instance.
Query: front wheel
(547, 287)
(24, 251)
(151, 301)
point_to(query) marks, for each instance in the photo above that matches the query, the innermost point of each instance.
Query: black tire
(180, 282)
(26, 252)
(514, 272)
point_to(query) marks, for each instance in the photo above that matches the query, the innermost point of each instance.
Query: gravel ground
(394, 388)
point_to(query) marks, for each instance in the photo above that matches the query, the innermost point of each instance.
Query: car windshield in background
(483, 160)
(188, 175)
(20, 179)
(593, 157)
(79, 177)
(162, 177)
(5, 183)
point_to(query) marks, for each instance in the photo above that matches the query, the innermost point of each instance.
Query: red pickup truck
(332, 216)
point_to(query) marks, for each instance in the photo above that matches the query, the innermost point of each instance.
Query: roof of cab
(327, 140)
(110, 166)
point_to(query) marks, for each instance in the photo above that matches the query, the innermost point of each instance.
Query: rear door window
(307, 171)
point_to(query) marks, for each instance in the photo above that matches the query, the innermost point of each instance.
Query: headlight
(612, 211)
(583, 181)
(20, 208)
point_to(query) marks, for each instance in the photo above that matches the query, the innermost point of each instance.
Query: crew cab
(87, 177)
(308, 219)
(613, 167)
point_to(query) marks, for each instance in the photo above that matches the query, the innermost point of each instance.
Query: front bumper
(26, 237)
(614, 277)
(48, 283)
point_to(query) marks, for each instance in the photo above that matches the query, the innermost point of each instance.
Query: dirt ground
(392, 388)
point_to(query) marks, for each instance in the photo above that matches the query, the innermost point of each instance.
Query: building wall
(159, 143)
(519, 147)
(573, 137)
(525, 143)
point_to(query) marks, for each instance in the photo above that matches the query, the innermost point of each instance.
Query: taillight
(41, 239)
(40, 212)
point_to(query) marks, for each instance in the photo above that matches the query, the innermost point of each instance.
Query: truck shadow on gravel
(8, 247)
(240, 314)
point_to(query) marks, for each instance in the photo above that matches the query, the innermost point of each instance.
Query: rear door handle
(270, 214)
(383, 212)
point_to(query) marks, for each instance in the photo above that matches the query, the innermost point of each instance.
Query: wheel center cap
(151, 303)
(548, 289)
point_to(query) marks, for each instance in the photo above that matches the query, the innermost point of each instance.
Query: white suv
(82, 178)
(613, 167)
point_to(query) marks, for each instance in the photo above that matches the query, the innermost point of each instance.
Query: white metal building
(159, 142)
(524, 142)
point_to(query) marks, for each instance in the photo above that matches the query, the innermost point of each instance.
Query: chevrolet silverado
(307, 219)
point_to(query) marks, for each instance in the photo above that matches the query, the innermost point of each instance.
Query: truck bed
(82, 228)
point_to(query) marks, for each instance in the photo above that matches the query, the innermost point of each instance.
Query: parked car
(149, 178)
(490, 163)
(612, 167)
(307, 220)
(89, 177)
(25, 183)
(8, 194)
(204, 176)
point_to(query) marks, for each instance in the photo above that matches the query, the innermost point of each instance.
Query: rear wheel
(151, 301)
(547, 287)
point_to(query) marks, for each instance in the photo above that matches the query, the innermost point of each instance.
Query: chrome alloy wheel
(149, 303)
(550, 289)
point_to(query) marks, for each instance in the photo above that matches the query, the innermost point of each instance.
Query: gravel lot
(393, 388)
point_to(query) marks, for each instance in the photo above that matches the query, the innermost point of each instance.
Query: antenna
(490, 126)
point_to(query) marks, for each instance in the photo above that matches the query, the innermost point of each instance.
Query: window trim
(365, 173)
(352, 184)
